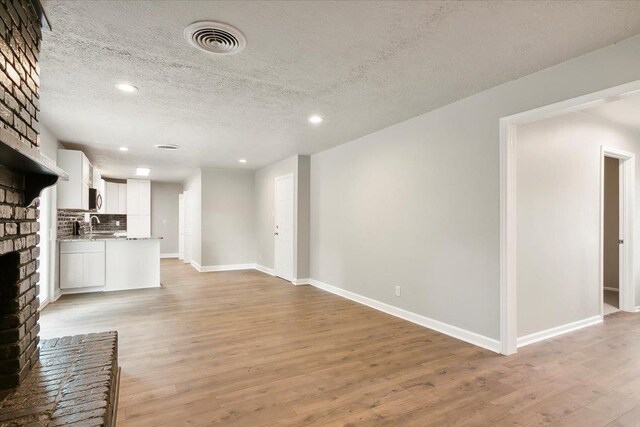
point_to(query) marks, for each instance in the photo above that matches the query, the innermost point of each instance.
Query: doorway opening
(283, 232)
(611, 240)
(617, 190)
(509, 338)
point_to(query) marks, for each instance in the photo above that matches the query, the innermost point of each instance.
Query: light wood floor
(246, 349)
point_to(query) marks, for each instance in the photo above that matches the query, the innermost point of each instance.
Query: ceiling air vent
(167, 146)
(215, 37)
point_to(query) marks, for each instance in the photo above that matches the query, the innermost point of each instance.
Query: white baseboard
(226, 267)
(264, 269)
(558, 330)
(609, 288)
(299, 282)
(638, 309)
(168, 256)
(453, 331)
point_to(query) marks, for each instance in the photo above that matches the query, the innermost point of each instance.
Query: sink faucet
(91, 225)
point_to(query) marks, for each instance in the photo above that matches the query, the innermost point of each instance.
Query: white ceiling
(362, 65)
(624, 112)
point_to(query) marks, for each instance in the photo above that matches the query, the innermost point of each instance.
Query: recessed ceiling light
(123, 149)
(315, 119)
(243, 160)
(143, 171)
(126, 87)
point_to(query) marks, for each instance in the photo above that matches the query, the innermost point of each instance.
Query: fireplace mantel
(40, 171)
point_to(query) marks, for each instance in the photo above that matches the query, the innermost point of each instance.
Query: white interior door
(181, 226)
(283, 232)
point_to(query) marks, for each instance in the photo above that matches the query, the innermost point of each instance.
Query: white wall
(227, 217)
(193, 186)
(164, 215)
(417, 204)
(558, 197)
(49, 224)
(264, 216)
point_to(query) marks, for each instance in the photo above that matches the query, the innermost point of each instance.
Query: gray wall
(417, 204)
(558, 199)
(227, 217)
(164, 215)
(611, 222)
(264, 217)
(303, 215)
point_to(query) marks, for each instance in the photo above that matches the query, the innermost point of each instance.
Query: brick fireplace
(23, 173)
(59, 381)
(18, 281)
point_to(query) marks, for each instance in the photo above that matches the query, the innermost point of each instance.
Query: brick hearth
(75, 384)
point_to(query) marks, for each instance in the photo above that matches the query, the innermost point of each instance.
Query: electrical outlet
(397, 290)
(117, 223)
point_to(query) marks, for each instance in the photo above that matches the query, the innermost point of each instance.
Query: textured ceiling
(362, 65)
(624, 112)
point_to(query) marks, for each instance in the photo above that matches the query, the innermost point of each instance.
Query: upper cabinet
(115, 198)
(74, 193)
(138, 197)
(138, 208)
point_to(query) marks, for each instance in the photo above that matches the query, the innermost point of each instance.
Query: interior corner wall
(558, 225)
(227, 217)
(164, 215)
(418, 204)
(264, 217)
(193, 244)
(303, 207)
(265, 202)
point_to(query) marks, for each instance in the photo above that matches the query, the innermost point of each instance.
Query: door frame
(508, 200)
(181, 226)
(293, 223)
(627, 202)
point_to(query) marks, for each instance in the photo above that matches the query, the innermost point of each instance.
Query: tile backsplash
(66, 218)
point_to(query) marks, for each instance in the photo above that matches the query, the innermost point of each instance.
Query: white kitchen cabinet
(82, 264)
(138, 197)
(138, 208)
(115, 198)
(122, 199)
(110, 197)
(74, 193)
(71, 270)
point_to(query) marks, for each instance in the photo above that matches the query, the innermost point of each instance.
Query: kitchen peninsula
(107, 263)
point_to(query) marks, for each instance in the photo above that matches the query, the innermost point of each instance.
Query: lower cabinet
(82, 264)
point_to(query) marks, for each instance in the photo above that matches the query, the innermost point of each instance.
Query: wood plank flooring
(247, 349)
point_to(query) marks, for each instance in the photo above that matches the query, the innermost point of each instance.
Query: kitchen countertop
(96, 237)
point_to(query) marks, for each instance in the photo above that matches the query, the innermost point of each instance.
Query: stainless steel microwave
(95, 199)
